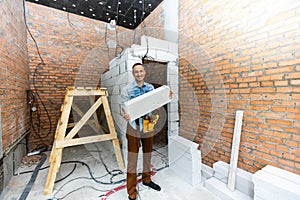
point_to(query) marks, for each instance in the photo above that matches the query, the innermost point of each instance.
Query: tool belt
(149, 123)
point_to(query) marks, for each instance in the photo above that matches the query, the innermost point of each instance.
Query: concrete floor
(79, 184)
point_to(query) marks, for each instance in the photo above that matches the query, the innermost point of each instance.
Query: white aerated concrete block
(147, 102)
(185, 159)
(165, 56)
(154, 42)
(105, 76)
(244, 181)
(113, 63)
(282, 174)
(276, 184)
(123, 68)
(220, 189)
(207, 171)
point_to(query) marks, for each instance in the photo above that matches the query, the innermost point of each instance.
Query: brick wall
(249, 52)
(75, 53)
(13, 73)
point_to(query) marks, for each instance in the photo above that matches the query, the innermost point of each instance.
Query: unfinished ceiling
(127, 13)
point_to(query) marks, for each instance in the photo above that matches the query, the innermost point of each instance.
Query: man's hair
(133, 66)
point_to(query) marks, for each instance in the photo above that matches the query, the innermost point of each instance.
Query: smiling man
(135, 135)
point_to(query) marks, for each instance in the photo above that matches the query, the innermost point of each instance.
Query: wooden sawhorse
(62, 140)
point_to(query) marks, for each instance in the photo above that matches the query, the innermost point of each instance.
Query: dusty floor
(75, 182)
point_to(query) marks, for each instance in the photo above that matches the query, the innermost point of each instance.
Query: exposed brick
(279, 122)
(263, 64)
(262, 102)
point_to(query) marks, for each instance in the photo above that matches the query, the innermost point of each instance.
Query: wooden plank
(108, 116)
(98, 92)
(81, 114)
(112, 131)
(84, 119)
(83, 140)
(96, 121)
(56, 154)
(118, 153)
(235, 150)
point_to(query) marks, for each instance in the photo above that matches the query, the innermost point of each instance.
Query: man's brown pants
(134, 140)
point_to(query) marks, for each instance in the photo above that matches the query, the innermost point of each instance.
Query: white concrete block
(220, 189)
(115, 71)
(165, 56)
(124, 79)
(172, 69)
(116, 99)
(113, 63)
(109, 88)
(173, 46)
(154, 42)
(173, 107)
(123, 68)
(173, 79)
(257, 198)
(244, 181)
(115, 90)
(173, 116)
(135, 46)
(282, 174)
(185, 159)
(173, 133)
(105, 76)
(269, 186)
(148, 102)
(207, 171)
(131, 62)
(173, 126)
(175, 91)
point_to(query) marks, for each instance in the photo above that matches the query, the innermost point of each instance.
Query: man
(135, 135)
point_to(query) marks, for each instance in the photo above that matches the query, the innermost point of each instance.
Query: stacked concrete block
(173, 107)
(185, 159)
(207, 172)
(243, 178)
(272, 183)
(218, 183)
(158, 44)
(220, 189)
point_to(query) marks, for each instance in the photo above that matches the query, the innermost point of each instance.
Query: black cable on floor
(33, 177)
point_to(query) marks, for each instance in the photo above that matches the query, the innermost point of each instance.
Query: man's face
(139, 73)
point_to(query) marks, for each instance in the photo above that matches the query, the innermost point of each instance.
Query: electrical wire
(85, 186)
(33, 178)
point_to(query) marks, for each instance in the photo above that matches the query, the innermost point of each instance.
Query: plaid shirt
(131, 91)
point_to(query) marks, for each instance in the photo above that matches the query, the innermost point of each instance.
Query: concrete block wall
(249, 51)
(120, 74)
(244, 188)
(243, 178)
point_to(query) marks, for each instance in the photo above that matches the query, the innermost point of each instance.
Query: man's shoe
(152, 185)
(131, 198)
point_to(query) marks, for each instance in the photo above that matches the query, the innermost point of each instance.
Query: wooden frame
(62, 140)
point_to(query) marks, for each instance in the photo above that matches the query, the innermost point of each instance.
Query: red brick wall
(153, 25)
(13, 73)
(251, 49)
(75, 52)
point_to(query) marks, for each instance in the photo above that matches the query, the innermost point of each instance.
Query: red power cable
(105, 196)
